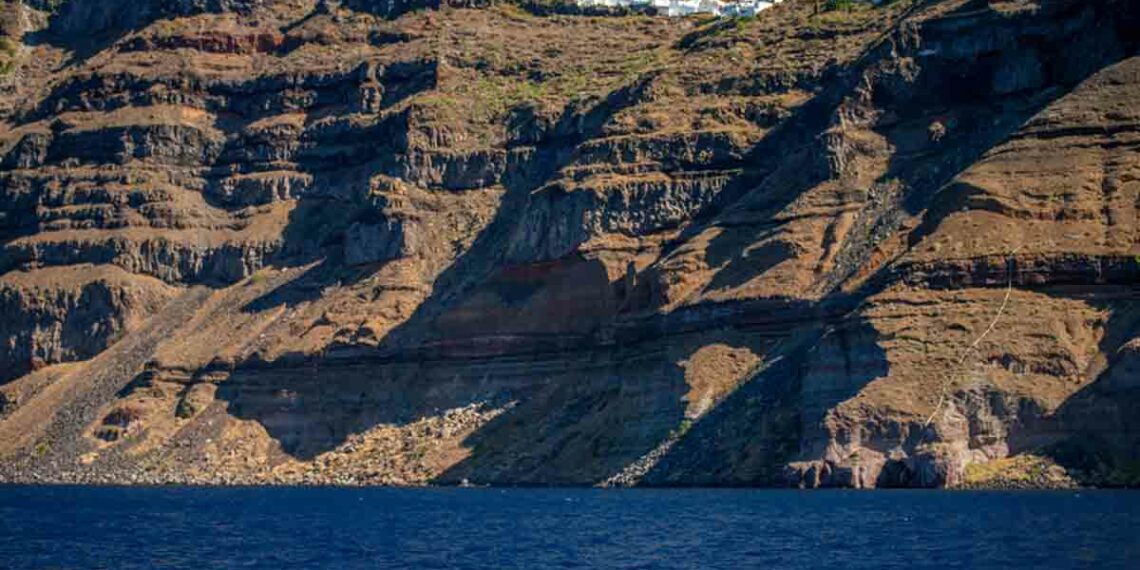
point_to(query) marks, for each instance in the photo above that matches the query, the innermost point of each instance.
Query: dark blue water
(75, 527)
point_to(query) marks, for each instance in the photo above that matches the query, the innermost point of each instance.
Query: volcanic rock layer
(308, 241)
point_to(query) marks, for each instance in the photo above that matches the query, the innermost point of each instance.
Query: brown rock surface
(366, 243)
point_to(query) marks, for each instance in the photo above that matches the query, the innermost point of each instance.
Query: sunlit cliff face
(385, 243)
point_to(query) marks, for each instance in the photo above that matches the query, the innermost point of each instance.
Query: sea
(336, 527)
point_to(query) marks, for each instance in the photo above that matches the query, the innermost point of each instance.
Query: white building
(748, 8)
(678, 8)
(683, 7)
(714, 7)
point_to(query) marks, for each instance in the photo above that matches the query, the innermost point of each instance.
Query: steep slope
(379, 244)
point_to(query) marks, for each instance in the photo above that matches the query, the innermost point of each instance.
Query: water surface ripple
(125, 528)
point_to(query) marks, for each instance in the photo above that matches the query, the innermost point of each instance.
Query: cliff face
(386, 242)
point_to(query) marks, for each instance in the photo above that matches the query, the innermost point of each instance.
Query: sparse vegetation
(165, 29)
(683, 428)
(490, 96)
(1020, 471)
(185, 409)
(8, 52)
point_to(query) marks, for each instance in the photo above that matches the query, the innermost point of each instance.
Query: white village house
(741, 8)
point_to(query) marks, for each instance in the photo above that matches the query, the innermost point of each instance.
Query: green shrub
(8, 50)
(185, 409)
(686, 425)
(258, 278)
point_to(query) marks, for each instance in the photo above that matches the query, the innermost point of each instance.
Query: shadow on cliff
(599, 417)
(575, 428)
(1095, 433)
(87, 27)
(747, 438)
(551, 415)
(293, 407)
(314, 235)
(1092, 431)
(337, 196)
(82, 46)
(554, 150)
(750, 435)
(745, 209)
(937, 123)
(575, 412)
(561, 428)
(985, 102)
(580, 428)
